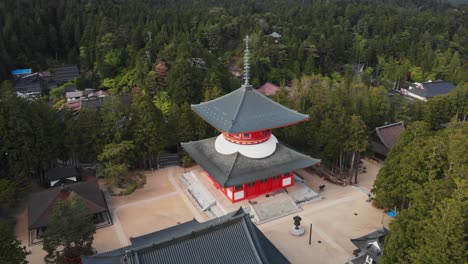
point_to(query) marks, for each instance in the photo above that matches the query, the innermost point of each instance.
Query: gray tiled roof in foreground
(229, 239)
(246, 110)
(236, 169)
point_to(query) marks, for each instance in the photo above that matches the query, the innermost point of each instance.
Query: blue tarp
(21, 71)
(391, 213)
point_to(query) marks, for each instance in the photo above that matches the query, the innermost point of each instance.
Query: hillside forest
(165, 55)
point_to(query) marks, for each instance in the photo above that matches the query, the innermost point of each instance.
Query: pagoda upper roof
(246, 110)
(236, 169)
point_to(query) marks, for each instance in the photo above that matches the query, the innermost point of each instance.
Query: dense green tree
(424, 176)
(11, 250)
(115, 160)
(443, 238)
(149, 132)
(356, 142)
(70, 231)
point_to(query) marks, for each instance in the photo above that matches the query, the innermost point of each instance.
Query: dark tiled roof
(236, 169)
(65, 74)
(431, 89)
(389, 134)
(41, 204)
(28, 85)
(372, 244)
(61, 173)
(178, 230)
(360, 260)
(245, 110)
(229, 239)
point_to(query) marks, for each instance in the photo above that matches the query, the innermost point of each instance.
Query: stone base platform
(274, 207)
(263, 208)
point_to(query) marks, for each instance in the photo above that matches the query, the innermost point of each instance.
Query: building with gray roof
(245, 110)
(370, 247)
(232, 238)
(61, 175)
(65, 74)
(385, 137)
(427, 90)
(237, 169)
(41, 205)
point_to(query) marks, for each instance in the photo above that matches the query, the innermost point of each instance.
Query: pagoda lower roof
(246, 110)
(236, 169)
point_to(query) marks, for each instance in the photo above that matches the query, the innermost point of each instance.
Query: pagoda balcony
(249, 138)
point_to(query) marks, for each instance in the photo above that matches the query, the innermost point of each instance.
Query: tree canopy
(70, 231)
(11, 250)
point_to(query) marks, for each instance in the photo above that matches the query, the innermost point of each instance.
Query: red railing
(248, 138)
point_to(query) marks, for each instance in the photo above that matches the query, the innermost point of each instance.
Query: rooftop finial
(246, 61)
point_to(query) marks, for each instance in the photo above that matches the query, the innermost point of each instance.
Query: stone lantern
(296, 229)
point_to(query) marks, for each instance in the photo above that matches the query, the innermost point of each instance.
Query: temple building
(246, 160)
(229, 239)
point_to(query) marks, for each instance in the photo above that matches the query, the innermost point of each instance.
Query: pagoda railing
(248, 138)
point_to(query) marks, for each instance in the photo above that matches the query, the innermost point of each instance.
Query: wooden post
(310, 234)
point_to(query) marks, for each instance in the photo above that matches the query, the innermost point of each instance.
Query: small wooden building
(385, 137)
(61, 175)
(41, 205)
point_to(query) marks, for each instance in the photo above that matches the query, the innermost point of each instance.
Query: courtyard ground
(340, 215)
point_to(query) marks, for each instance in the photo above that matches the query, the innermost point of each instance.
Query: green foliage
(132, 182)
(149, 131)
(8, 190)
(443, 237)
(70, 231)
(6, 90)
(11, 250)
(163, 102)
(115, 160)
(57, 93)
(425, 177)
(417, 74)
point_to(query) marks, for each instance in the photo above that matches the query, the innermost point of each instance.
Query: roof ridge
(259, 255)
(389, 125)
(239, 106)
(51, 202)
(232, 167)
(253, 233)
(87, 200)
(192, 233)
(377, 130)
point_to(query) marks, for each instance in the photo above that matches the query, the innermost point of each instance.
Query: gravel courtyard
(340, 215)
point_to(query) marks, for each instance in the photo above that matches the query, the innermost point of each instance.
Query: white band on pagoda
(256, 151)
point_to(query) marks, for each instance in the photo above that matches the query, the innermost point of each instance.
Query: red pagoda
(246, 160)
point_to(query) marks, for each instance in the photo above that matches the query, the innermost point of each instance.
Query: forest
(166, 55)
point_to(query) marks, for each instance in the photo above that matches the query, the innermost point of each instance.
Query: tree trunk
(355, 169)
(351, 168)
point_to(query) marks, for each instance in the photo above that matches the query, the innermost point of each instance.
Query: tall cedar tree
(149, 131)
